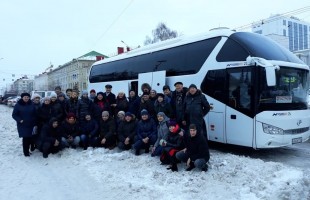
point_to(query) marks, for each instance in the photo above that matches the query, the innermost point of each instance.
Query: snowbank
(105, 174)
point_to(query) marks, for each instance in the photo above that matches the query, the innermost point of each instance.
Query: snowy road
(103, 174)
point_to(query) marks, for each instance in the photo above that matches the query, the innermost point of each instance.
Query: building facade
(40, 82)
(290, 31)
(23, 84)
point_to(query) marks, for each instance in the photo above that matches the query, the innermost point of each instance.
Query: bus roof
(169, 44)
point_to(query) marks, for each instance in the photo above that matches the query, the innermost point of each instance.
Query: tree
(161, 33)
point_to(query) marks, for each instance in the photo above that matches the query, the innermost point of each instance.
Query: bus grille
(296, 131)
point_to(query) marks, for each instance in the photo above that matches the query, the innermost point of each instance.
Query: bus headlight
(272, 130)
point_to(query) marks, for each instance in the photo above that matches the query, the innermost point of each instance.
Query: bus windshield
(290, 92)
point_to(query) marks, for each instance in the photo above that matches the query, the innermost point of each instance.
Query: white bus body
(258, 89)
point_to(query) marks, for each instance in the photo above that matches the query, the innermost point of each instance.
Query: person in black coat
(61, 98)
(24, 114)
(126, 132)
(110, 99)
(51, 137)
(89, 131)
(146, 104)
(196, 107)
(162, 106)
(45, 112)
(107, 134)
(85, 106)
(57, 110)
(177, 101)
(196, 152)
(131, 99)
(72, 104)
(146, 133)
(171, 144)
(70, 131)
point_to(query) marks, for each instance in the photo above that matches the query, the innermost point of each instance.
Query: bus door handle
(233, 116)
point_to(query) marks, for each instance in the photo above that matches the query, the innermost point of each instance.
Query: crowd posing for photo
(169, 125)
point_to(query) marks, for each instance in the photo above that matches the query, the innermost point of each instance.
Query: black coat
(50, 134)
(174, 141)
(85, 106)
(127, 129)
(90, 127)
(146, 128)
(195, 108)
(121, 105)
(26, 112)
(177, 103)
(107, 128)
(163, 107)
(197, 146)
(72, 107)
(57, 110)
(45, 113)
(68, 129)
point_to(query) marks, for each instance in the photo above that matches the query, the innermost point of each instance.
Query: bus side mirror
(271, 76)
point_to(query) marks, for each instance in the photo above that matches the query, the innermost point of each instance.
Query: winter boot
(137, 152)
(191, 166)
(205, 168)
(174, 167)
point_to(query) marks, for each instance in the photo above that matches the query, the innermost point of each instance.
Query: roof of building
(92, 54)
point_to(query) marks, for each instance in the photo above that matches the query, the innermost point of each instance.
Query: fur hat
(46, 99)
(35, 95)
(92, 90)
(25, 94)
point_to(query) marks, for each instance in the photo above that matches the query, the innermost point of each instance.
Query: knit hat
(161, 114)
(161, 95)
(84, 92)
(70, 115)
(105, 114)
(46, 98)
(178, 83)
(128, 114)
(144, 112)
(92, 90)
(25, 94)
(121, 113)
(35, 95)
(192, 85)
(172, 123)
(53, 94)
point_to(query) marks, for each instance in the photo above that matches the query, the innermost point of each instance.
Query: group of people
(168, 124)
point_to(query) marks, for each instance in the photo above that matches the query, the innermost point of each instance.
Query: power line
(114, 21)
(276, 17)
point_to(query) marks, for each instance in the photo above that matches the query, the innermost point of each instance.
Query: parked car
(13, 101)
(5, 101)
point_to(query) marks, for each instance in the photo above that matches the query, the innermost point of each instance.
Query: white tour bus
(257, 89)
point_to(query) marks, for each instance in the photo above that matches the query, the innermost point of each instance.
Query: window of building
(284, 32)
(301, 38)
(284, 22)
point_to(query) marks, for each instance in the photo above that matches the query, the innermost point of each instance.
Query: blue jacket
(90, 127)
(26, 112)
(146, 128)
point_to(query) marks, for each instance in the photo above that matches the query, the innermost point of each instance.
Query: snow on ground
(107, 174)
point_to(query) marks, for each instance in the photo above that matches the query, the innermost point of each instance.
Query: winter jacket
(85, 106)
(162, 130)
(173, 140)
(163, 107)
(146, 128)
(147, 105)
(127, 129)
(121, 105)
(49, 133)
(195, 108)
(107, 128)
(72, 106)
(45, 113)
(26, 112)
(196, 147)
(90, 127)
(70, 129)
(131, 105)
(177, 101)
(57, 110)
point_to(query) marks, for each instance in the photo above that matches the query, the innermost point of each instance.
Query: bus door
(239, 111)
(156, 80)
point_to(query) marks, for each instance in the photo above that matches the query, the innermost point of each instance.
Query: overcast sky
(35, 33)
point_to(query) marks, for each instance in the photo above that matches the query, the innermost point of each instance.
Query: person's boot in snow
(191, 166)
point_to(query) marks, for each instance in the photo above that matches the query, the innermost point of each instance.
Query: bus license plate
(296, 140)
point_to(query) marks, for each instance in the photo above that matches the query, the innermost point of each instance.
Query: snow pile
(107, 174)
